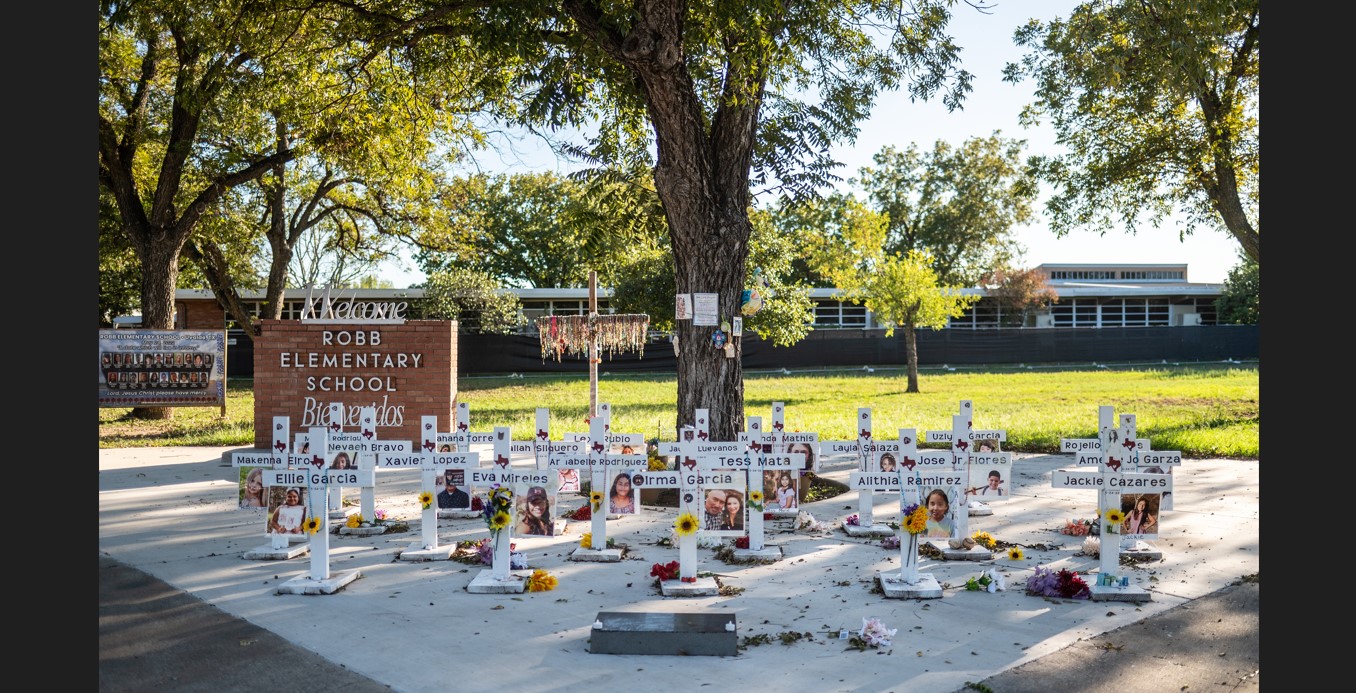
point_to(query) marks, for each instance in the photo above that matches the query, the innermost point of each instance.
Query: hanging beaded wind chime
(571, 334)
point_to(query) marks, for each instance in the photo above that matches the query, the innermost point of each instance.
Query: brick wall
(292, 377)
(198, 314)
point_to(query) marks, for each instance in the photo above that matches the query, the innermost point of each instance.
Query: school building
(1105, 313)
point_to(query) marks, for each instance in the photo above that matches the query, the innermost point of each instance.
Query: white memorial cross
(430, 463)
(763, 456)
(866, 451)
(1136, 458)
(908, 583)
(459, 441)
(318, 479)
(692, 477)
(274, 457)
(1110, 481)
(501, 473)
(974, 507)
(601, 459)
(359, 445)
(782, 441)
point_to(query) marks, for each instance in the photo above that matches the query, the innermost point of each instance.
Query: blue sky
(992, 105)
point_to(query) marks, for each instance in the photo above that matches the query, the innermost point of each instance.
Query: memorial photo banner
(162, 368)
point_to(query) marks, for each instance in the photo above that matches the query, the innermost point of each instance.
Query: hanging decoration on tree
(751, 300)
(571, 334)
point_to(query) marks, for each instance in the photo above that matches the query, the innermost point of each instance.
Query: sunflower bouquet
(915, 518)
(499, 510)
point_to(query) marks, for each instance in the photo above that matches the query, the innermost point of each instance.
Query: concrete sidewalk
(207, 614)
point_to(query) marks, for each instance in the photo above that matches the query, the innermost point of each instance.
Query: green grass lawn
(1202, 410)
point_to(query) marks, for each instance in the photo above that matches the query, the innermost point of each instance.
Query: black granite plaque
(663, 633)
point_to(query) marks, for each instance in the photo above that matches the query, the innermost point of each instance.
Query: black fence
(480, 354)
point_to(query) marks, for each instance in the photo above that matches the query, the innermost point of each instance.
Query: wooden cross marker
(908, 583)
(601, 461)
(280, 546)
(575, 333)
(318, 478)
(762, 461)
(867, 453)
(804, 444)
(1110, 482)
(499, 579)
(690, 476)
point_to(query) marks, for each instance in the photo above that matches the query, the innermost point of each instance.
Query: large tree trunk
(159, 276)
(702, 178)
(911, 355)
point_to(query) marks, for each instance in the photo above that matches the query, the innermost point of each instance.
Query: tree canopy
(730, 95)
(1156, 105)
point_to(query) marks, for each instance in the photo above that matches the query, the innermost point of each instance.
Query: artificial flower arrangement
(741, 542)
(686, 524)
(756, 500)
(990, 581)
(541, 581)
(1114, 518)
(890, 543)
(499, 510)
(873, 634)
(852, 520)
(654, 462)
(915, 519)
(1063, 583)
(1079, 527)
(665, 571)
(485, 552)
(985, 539)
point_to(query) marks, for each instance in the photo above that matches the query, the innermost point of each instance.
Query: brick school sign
(404, 369)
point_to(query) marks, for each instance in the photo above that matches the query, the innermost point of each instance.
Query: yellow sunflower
(312, 525)
(984, 539)
(1115, 517)
(499, 520)
(686, 524)
(1015, 553)
(596, 498)
(917, 521)
(426, 500)
(756, 496)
